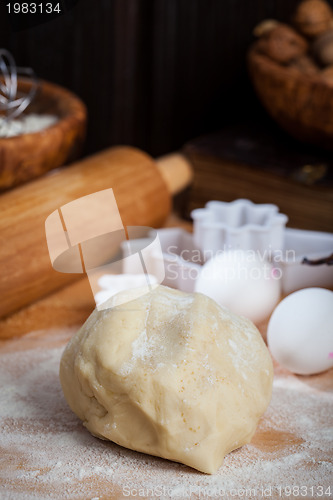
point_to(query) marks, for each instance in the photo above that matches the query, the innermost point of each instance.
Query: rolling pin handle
(176, 171)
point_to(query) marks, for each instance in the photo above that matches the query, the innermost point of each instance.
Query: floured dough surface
(170, 374)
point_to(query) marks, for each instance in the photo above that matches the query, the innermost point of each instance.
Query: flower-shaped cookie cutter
(239, 224)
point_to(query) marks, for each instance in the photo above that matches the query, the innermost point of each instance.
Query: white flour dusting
(45, 452)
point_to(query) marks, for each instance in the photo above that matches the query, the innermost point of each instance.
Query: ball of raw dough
(300, 331)
(171, 374)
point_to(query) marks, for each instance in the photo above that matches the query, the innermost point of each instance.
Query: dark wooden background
(153, 73)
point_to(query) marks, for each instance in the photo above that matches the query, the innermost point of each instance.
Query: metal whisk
(12, 102)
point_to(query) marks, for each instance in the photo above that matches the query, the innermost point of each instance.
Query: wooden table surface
(45, 452)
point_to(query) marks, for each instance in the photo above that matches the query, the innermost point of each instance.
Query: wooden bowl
(301, 104)
(29, 155)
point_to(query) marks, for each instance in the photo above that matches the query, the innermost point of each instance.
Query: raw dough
(171, 374)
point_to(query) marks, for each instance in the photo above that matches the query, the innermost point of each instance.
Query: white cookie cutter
(182, 266)
(183, 259)
(238, 224)
(313, 245)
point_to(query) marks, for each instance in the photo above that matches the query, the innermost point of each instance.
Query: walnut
(323, 48)
(264, 27)
(282, 44)
(313, 17)
(327, 75)
(305, 65)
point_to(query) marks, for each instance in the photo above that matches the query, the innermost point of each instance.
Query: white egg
(300, 331)
(241, 281)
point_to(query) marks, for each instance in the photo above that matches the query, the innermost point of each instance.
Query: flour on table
(47, 453)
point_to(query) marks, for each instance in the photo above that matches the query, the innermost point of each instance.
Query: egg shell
(300, 331)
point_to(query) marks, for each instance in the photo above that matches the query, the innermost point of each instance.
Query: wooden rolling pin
(142, 188)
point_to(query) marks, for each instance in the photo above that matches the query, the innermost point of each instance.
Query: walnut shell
(282, 44)
(313, 17)
(323, 48)
(264, 27)
(327, 75)
(305, 65)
